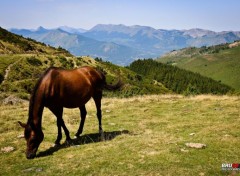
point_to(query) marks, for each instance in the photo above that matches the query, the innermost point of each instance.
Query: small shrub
(51, 61)
(34, 61)
(191, 90)
(1, 78)
(98, 59)
(66, 63)
(138, 77)
(23, 95)
(26, 47)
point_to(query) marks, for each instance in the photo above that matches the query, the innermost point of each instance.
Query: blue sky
(217, 15)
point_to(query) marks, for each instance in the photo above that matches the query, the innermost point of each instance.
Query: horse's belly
(74, 102)
(69, 95)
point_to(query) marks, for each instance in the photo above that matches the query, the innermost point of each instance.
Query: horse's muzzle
(30, 155)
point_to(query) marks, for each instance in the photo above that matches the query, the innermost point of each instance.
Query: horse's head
(33, 137)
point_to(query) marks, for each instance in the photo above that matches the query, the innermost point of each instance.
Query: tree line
(178, 80)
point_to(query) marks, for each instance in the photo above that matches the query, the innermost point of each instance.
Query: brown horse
(59, 88)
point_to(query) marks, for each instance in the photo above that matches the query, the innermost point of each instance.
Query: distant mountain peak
(72, 30)
(197, 32)
(108, 27)
(41, 29)
(120, 28)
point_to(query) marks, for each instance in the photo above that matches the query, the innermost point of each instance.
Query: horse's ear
(22, 124)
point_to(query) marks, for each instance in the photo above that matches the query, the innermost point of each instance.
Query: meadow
(145, 135)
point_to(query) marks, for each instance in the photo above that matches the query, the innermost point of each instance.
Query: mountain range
(122, 44)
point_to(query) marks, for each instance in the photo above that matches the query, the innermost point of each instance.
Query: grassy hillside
(144, 136)
(15, 44)
(221, 62)
(14, 48)
(24, 71)
(22, 61)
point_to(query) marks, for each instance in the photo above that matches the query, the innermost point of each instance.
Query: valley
(121, 44)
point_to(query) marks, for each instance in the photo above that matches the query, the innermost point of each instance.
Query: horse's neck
(36, 103)
(35, 111)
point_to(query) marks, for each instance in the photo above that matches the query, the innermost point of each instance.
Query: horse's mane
(33, 95)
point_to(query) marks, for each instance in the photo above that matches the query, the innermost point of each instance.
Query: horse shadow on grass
(85, 139)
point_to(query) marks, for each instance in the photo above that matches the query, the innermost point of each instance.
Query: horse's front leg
(58, 111)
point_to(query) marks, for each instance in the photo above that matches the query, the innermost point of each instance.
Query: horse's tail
(116, 86)
(110, 87)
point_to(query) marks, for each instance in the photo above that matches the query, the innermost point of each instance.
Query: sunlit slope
(221, 63)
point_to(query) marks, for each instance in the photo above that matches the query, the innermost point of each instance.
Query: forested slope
(179, 80)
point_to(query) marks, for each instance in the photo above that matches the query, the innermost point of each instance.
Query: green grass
(6, 60)
(145, 136)
(223, 66)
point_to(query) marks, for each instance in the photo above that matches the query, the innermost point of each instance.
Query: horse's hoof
(56, 145)
(76, 137)
(102, 137)
(68, 142)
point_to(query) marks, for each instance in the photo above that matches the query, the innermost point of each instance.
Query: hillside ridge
(20, 69)
(16, 44)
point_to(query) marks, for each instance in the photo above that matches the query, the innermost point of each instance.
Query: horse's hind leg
(97, 98)
(60, 123)
(83, 117)
(68, 139)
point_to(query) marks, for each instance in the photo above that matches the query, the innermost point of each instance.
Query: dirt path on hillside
(8, 69)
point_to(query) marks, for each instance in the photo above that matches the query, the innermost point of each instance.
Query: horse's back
(72, 88)
(79, 77)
